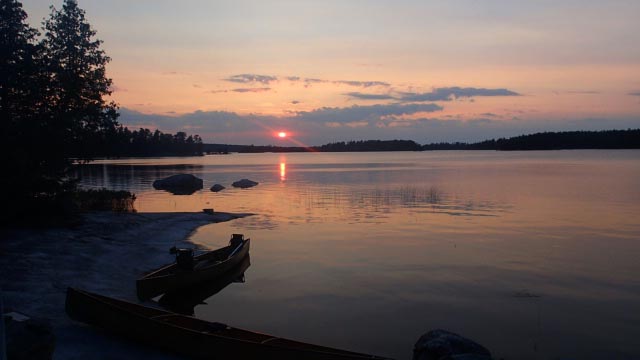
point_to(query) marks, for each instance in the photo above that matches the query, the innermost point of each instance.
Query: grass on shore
(64, 209)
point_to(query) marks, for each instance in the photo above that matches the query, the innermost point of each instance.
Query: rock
(217, 187)
(181, 184)
(444, 345)
(28, 338)
(244, 183)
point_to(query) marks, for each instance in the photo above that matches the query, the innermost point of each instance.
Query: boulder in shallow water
(28, 338)
(444, 345)
(244, 183)
(217, 187)
(180, 184)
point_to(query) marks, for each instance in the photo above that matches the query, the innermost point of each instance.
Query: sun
(282, 134)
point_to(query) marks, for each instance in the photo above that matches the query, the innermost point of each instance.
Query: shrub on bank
(104, 199)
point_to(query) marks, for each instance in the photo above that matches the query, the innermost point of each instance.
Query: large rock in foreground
(181, 184)
(28, 338)
(444, 345)
(244, 183)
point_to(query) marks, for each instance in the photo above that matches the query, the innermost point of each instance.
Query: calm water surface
(533, 254)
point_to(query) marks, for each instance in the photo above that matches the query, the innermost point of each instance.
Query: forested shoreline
(606, 139)
(122, 142)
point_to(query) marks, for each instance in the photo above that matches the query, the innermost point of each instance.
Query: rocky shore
(105, 253)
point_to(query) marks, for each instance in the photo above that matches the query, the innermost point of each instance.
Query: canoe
(189, 336)
(206, 266)
(184, 301)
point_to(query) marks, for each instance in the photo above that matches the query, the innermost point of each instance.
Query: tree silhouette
(52, 102)
(77, 72)
(22, 99)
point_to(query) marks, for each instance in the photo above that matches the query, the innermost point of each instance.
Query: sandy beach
(105, 253)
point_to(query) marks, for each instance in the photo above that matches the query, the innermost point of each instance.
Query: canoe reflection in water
(185, 301)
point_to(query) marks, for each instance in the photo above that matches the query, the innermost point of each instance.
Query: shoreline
(105, 253)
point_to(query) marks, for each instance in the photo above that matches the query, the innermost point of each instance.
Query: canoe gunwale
(197, 258)
(152, 285)
(79, 303)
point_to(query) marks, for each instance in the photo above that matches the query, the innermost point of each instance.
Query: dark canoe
(184, 301)
(209, 265)
(189, 336)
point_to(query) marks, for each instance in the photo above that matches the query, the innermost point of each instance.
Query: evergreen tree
(18, 63)
(22, 99)
(52, 103)
(80, 115)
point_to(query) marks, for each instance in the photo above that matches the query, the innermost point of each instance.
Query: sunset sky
(322, 71)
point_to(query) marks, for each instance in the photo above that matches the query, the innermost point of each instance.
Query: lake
(535, 255)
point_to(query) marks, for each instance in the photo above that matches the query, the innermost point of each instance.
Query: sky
(324, 71)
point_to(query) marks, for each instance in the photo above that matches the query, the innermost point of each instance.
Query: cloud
(365, 84)
(251, 78)
(450, 93)
(360, 113)
(174, 73)
(438, 94)
(309, 81)
(294, 102)
(635, 93)
(384, 122)
(584, 92)
(364, 96)
(268, 79)
(362, 83)
(353, 124)
(251, 90)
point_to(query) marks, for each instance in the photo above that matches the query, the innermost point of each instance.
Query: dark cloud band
(450, 93)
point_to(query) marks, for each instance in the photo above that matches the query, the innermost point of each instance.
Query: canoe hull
(185, 301)
(187, 335)
(172, 279)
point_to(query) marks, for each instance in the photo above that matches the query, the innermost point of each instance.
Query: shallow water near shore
(532, 254)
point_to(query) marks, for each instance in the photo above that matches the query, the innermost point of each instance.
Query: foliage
(371, 145)
(54, 112)
(143, 142)
(103, 199)
(51, 99)
(22, 100)
(78, 85)
(606, 139)
(351, 146)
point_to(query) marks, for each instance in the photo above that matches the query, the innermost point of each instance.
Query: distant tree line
(370, 145)
(349, 146)
(606, 139)
(120, 141)
(230, 148)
